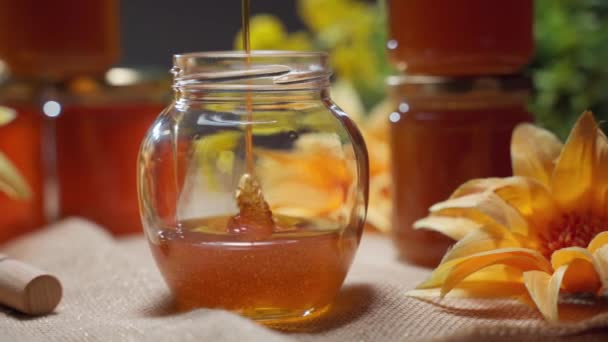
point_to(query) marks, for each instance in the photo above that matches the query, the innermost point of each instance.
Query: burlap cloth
(113, 292)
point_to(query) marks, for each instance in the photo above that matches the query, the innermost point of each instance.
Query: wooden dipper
(26, 288)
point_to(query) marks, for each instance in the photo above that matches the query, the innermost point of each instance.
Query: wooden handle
(26, 288)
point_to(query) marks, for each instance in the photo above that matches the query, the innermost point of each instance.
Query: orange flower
(540, 233)
(314, 180)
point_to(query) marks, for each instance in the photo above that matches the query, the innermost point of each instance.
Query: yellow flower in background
(267, 32)
(323, 16)
(345, 27)
(538, 234)
(11, 181)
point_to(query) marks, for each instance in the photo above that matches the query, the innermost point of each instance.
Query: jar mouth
(253, 54)
(261, 70)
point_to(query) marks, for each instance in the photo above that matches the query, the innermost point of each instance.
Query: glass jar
(253, 185)
(460, 37)
(21, 143)
(444, 132)
(58, 39)
(99, 129)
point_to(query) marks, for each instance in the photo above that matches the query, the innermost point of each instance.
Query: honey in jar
(60, 38)
(21, 144)
(460, 37)
(98, 135)
(444, 132)
(295, 271)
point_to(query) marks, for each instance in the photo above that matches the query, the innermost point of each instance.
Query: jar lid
(430, 85)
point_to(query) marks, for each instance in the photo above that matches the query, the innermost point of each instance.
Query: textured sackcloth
(114, 292)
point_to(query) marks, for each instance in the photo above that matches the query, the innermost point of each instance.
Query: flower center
(572, 229)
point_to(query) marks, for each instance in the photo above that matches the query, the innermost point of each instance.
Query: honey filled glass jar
(444, 132)
(58, 39)
(98, 131)
(21, 143)
(253, 185)
(460, 37)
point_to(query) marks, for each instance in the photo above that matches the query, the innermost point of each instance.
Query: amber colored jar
(21, 144)
(98, 135)
(460, 37)
(445, 132)
(60, 38)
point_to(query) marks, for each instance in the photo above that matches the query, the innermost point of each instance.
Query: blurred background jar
(56, 40)
(444, 132)
(98, 134)
(22, 144)
(460, 37)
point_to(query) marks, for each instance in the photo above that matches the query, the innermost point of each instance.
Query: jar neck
(184, 96)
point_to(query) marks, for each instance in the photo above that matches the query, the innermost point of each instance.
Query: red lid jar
(59, 39)
(460, 37)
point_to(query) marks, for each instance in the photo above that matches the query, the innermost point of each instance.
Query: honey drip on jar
(254, 218)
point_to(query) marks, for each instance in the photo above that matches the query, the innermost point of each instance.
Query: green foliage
(570, 70)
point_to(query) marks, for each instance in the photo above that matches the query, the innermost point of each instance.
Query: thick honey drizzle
(254, 218)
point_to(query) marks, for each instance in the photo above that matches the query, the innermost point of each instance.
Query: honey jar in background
(59, 39)
(98, 134)
(460, 37)
(21, 143)
(444, 132)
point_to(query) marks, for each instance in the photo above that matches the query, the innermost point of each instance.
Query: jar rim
(261, 70)
(254, 53)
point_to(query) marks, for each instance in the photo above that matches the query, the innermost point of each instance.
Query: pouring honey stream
(254, 218)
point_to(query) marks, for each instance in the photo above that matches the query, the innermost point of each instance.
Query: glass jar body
(311, 164)
(460, 37)
(437, 143)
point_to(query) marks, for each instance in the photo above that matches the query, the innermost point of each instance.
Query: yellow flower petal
(479, 185)
(600, 177)
(544, 290)
(565, 256)
(484, 208)
(476, 289)
(580, 275)
(598, 241)
(486, 238)
(530, 197)
(519, 258)
(573, 174)
(533, 152)
(11, 182)
(441, 273)
(600, 262)
(6, 115)
(454, 227)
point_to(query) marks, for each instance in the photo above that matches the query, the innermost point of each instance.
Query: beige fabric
(113, 292)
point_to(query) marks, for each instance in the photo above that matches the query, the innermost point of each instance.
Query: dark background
(154, 30)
